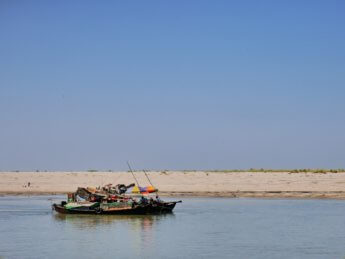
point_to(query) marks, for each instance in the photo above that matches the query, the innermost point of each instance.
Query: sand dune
(227, 184)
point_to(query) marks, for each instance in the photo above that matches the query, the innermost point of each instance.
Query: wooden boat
(108, 200)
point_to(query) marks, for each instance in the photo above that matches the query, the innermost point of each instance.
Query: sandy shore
(227, 184)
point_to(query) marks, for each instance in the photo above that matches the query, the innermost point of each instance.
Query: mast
(148, 178)
(130, 169)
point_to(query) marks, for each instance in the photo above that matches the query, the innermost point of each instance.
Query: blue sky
(172, 84)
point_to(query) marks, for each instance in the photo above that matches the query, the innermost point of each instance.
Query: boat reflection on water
(144, 222)
(136, 232)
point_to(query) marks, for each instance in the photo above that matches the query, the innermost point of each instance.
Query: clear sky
(172, 84)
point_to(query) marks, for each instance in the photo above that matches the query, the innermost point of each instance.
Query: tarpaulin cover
(139, 189)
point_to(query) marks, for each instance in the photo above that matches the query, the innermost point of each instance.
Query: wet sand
(174, 183)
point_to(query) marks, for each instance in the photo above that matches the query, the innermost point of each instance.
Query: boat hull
(166, 207)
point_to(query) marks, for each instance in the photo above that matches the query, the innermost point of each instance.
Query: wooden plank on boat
(117, 209)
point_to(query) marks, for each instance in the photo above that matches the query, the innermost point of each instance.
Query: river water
(199, 228)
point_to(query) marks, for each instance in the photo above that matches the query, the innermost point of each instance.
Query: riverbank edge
(340, 195)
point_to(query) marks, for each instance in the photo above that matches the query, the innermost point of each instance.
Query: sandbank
(183, 183)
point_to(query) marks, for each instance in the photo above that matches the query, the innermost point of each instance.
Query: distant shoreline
(305, 185)
(242, 194)
(251, 170)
